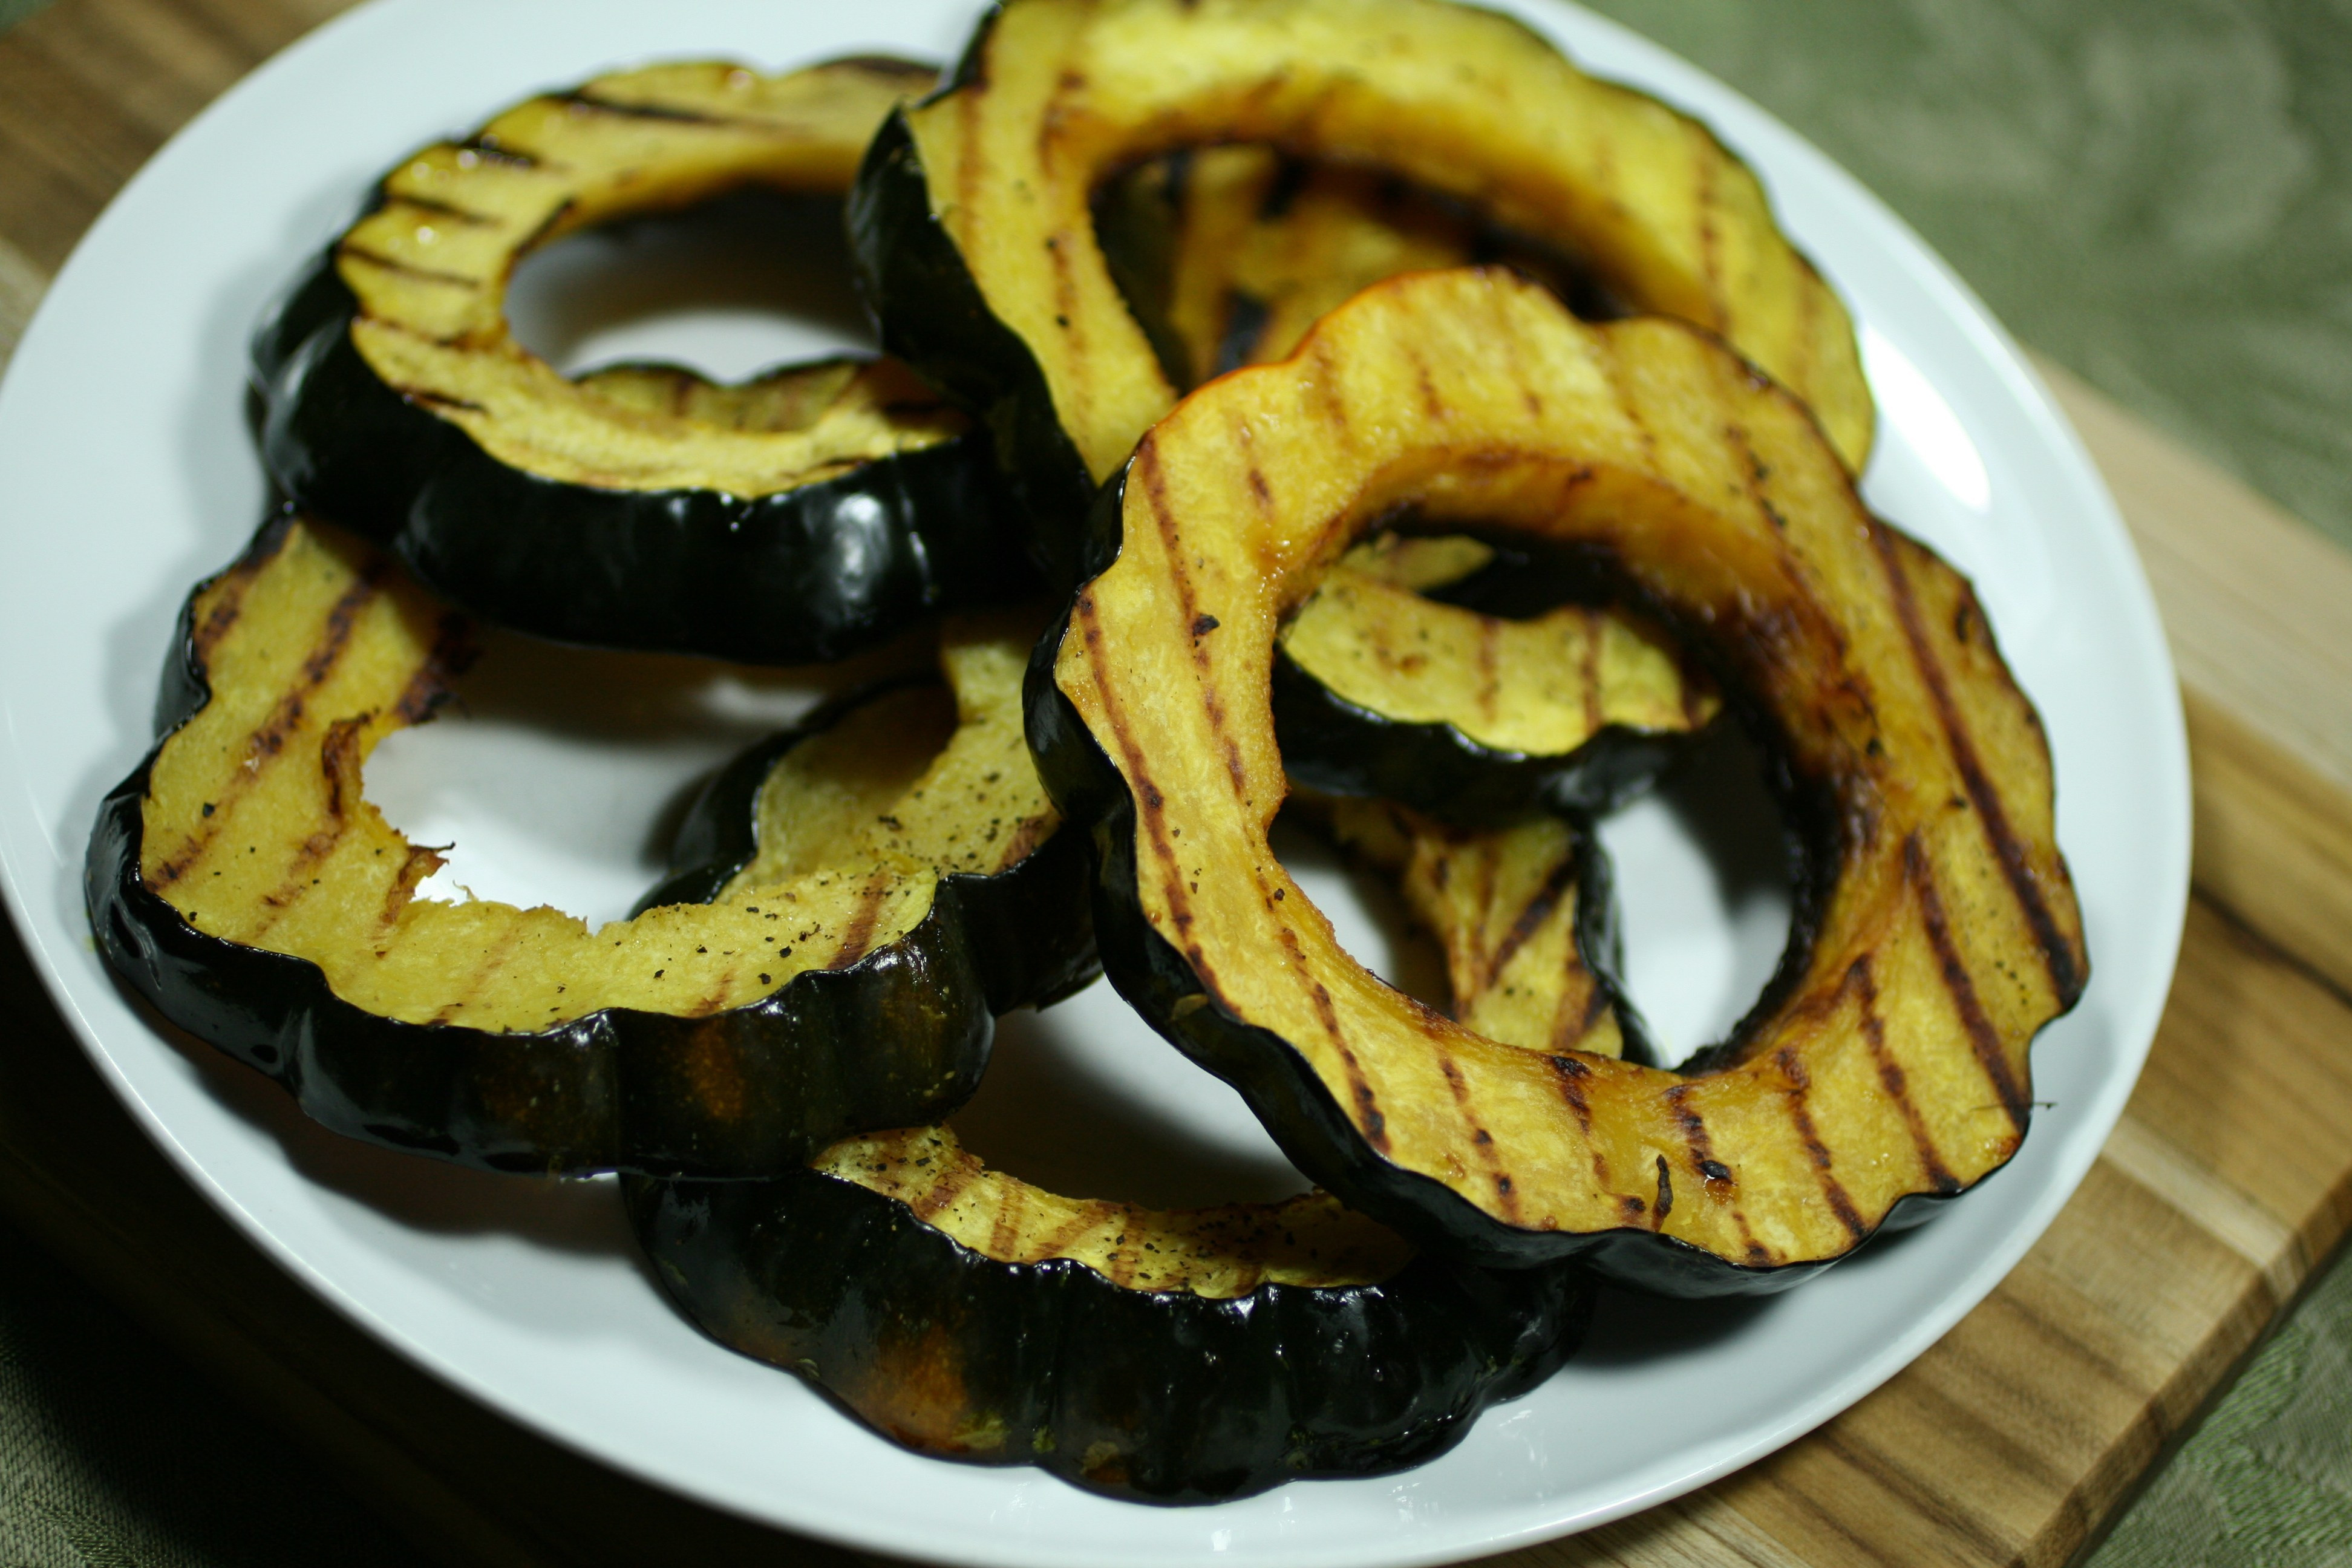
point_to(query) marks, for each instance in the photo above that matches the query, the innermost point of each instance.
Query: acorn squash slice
(973, 219)
(781, 529)
(241, 882)
(1937, 932)
(1169, 1356)
(1525, 915)
(1175, 1356)
(1382, 690)
(1229, 255)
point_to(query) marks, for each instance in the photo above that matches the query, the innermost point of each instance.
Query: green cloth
(2155, 193)
(2158, 193)
(2266, 1481)
(114, 1454)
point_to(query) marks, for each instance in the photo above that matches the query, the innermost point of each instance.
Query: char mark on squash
(269, 740)
(858, 935)
(1531, 918)
(1982, 1035)
(1150, 804)
(466, 215)
(1800, 1085)
(667, 113)
(2058, 953)
(1480, 1139)
(1155, 492)
(406, 269)
(1865, 984)
(1368, 1117)
(490, 147)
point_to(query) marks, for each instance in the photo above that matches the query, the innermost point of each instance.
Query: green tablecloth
(2158, 193)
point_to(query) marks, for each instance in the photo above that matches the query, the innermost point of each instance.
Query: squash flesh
(1948, 936)
(430, 266)
(1464, 103)
(257, 831)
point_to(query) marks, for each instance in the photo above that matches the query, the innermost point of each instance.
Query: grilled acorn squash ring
(1939, 932)
(1176, 1356)
(399, 403)
(976, 242)
(240, 883)
(1382, 691)
(1170, 1356)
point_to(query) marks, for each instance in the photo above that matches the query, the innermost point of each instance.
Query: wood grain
(2013, 1440)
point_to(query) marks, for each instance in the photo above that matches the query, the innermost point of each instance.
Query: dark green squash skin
(1285, 1094)
(1343, 748)
(811, 573)
(615, 1089)
(1154, 1397)
(932, 316)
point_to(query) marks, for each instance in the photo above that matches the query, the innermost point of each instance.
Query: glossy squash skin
(1316, 1350)
(975, 236)
(684, 1042)
(1174, 1356)
(1937, 932)
(397, 402)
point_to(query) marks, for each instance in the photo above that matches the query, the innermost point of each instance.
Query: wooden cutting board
(2015, 1439)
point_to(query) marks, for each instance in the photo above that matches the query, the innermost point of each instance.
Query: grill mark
(1370, 1119)
(347, 250)
(1538, 909)
(664, 113)
(858, 935)
(1712, 1172)
(1149, 805)
(1481, 1140)
(338, 759)
(1587, 1016)
(1570, 1074)
(1803, 357)
(1595, 713)
(495, 956)
(1982, 1035)
(1006, 1230)
(1155, 493)
(434, 204)
(227, 603)
(1057, 1241)
(1709, 240)
(270, 738)
(490, 148)
(951, 1182)
(1890, 1073)
(1490, 632)
(1801, 1084)
(2058, 953)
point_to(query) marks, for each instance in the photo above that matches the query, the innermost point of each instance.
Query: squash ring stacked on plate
(1168, 1355)
(804, 527)
(974, 226)
(1939, 931)
(240, 882)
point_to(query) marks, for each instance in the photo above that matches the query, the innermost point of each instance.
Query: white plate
(126, 472)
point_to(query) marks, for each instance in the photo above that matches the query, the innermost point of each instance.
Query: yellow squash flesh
(1944, 934)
